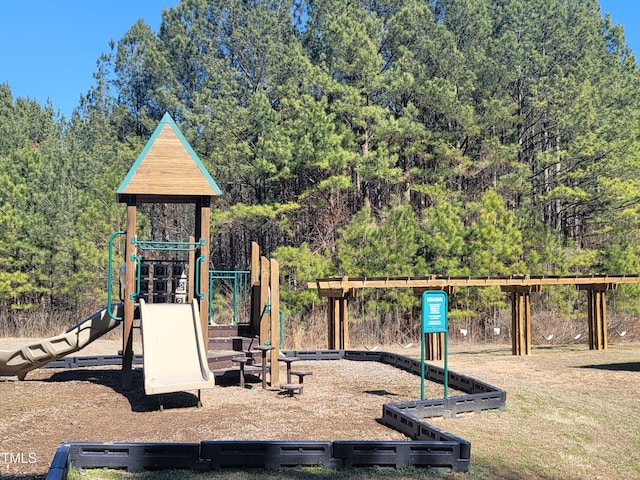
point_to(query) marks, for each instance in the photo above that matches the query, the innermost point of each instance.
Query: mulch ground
(342, 400)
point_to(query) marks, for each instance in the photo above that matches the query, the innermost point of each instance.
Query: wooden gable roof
(167, 170)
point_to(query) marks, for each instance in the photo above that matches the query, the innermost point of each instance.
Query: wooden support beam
(274, 316)
(192, 272)
(203, 222)
(129, 303)
(343, 305)
(448, 289)
(333, 330)
(337, 323)
(255, 263)
(597, 315)
(434, 346)
(520, 322)
(521, 317)
(256, 308)
(434, 342)
(330, 326)
(264, 301)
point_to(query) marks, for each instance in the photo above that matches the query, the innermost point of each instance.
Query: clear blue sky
(49, 48)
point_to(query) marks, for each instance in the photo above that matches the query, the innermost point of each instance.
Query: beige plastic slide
(175, 358)
(40, 352)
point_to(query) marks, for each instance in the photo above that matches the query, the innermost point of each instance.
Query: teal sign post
(435, 307)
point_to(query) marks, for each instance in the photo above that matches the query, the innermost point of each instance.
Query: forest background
(374, 138)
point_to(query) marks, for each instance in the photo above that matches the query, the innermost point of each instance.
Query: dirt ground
(546, 432)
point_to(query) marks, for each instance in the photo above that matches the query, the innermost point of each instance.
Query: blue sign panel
(434, 311)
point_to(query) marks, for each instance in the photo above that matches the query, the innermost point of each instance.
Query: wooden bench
(291, 388)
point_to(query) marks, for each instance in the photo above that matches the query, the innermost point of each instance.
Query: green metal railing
(239, 279)
(240, 288)
(152, 245)
(110, 275)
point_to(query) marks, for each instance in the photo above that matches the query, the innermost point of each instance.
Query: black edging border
(431, 448)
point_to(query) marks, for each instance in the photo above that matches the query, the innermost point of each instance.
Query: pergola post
(434, 342)
(338, 324)
(338, 321)
(521, 317)
(597, 314)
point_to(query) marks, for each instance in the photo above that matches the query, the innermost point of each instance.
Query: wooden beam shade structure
(167, 171)
(327, 286)
(520, 287)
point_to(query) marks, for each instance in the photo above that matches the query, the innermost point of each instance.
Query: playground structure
(174, 325)
(338, 291)
(165, 286)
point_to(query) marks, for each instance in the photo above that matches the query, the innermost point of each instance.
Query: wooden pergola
(338, 290)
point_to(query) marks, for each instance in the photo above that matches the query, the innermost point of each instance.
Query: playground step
(223, 359)
(235, 330)
(238, 344)
(227, 342)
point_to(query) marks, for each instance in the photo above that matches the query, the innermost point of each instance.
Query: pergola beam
(329, 287)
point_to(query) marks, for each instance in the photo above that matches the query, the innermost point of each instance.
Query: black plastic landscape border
(90, 361)
(430, 448)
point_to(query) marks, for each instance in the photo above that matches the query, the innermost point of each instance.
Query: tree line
(374, 138)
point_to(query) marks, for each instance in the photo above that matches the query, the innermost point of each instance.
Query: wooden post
(603, 303)
(344, 323)
(255, 263)
(129, 290)
(434, 346)
(264, 300)
(274, 341)
(597, 314)
(331, 314)
(336, 320)
(521, 317)
(192, 272)
(256, 308)
(203, 222)
(434, 342)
